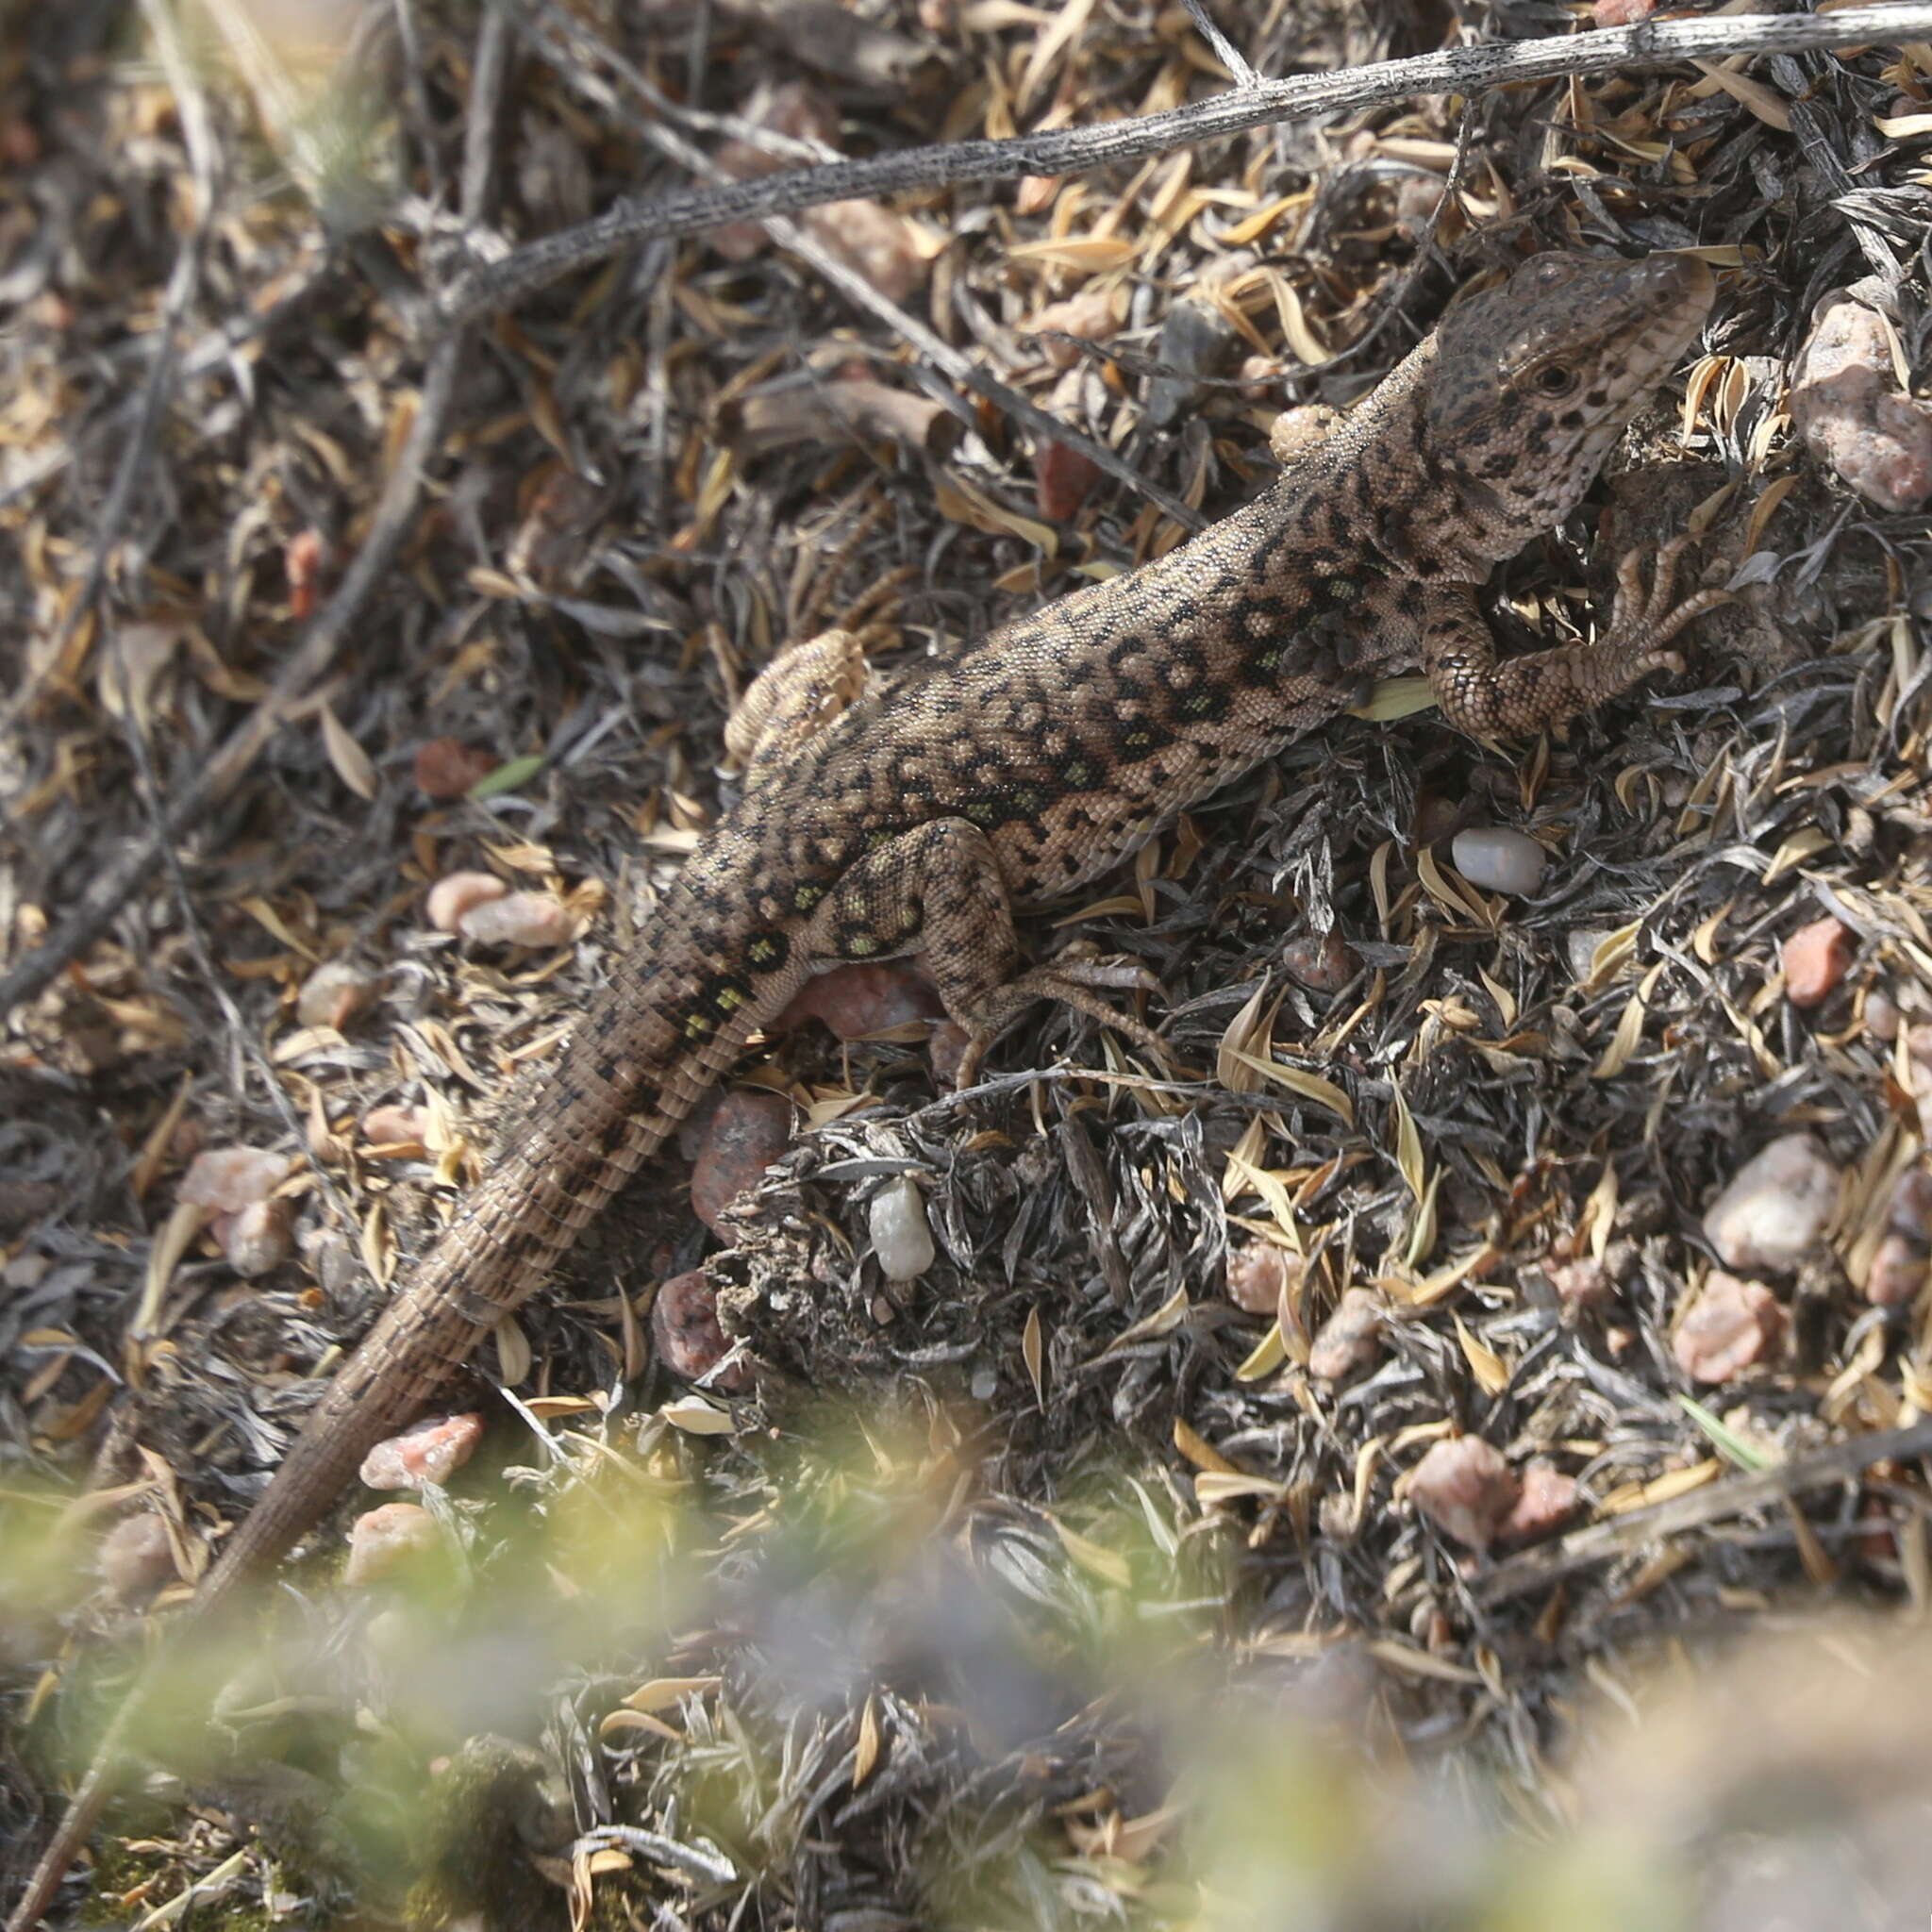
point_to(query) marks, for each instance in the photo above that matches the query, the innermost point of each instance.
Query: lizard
(917, 812)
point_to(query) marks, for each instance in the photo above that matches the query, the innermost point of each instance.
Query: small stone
(382, 1539)
(1258, 1273)
(1323, 962)
(135, 1558)
(518, 918)
(257, 1239)
(901, 1235)
(1846, 405)
(1351, 1339)
(1436, 818)
(858, 1001)
(686, 1331)
(335, 993)
(1731, 1326)
(1919, 1065)
(397, 1130)
(1909, 1211)
(1897, 1272)
(1092, 315)
(1464, 1486)
(1881, 1015)
(1498, 859)
(459, 893)
(228, 1179)
(446, 767)
(431, 1451)
(1547, 1501)
(750, 1129)
(1583, 1286)
(1621, 12)
(1775, 1209)
(1063, 480)
(1815, 961)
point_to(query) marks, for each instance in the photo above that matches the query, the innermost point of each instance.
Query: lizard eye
(1556, 379)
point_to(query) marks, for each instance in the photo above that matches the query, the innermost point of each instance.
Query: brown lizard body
(920, 815)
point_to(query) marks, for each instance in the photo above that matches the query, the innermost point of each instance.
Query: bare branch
(557, 29)
(393, 519)
(1224, 49)
(1079, 150)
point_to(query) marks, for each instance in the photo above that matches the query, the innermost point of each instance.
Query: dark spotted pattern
(1024, 766)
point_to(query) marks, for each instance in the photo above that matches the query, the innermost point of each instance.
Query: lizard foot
(1643, 620)
(1071, 982)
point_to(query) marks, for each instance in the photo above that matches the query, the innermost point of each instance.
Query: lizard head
(1534, 380)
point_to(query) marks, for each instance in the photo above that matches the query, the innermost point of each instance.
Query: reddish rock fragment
(855, 1001)
(1323, 962)
(333, 994)
(1061, 480)
(1909, 1211)
(518, 919)
(1731, 1326)
(431, 1451)
(228, 1179)
(1583, 1286)
(1815, 959)
(749, 1130)
(446, 767)
(1351, 1339)
(459, 892)
(1774, 1213)
(1092, 315)
(303, 564)
(396, 1128)
(1464, 1486)
(382, 1539)
(1621, 12)
(687, 1334)
(1257, 1272)
(257, 1239)
(1846, 405)
(135, 1558)
(1897, 1272)
(1547, 1501)
(1899, 1265)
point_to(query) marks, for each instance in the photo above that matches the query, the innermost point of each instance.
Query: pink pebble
(431, 1451)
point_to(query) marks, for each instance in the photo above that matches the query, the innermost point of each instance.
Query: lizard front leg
(1496, 697)
(938, 888)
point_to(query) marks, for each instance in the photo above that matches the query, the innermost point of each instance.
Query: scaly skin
(918, 816)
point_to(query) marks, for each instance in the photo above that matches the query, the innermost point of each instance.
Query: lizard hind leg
(792, 699)
(938, 888)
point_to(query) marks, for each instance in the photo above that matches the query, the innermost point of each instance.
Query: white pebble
(524, 919)
(1774, 1213)
(900, 1234)
(452, 896)
(1498, 859)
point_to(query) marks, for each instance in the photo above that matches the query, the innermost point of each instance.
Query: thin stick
(394, 517)
(1078, 150)
(1621, 1535)
(832, 267)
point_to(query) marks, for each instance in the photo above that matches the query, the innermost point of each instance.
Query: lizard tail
(670, 1024)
